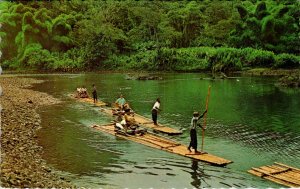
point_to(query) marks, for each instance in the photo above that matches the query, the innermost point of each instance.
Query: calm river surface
(250, 121)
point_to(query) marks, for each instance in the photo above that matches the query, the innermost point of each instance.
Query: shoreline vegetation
(246, 72)
(22, 165)
(199, 59)
(185, 36)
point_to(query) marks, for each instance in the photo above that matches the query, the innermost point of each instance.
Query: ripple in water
(284, 146)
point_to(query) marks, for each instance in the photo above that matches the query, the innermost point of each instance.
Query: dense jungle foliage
(149, 35)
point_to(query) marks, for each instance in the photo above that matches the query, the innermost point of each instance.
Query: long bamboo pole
(204, 119)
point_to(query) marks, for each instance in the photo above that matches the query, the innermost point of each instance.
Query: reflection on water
(250, 122)
(196, 176)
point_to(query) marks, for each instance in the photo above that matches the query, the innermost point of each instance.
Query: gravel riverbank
(21, 163)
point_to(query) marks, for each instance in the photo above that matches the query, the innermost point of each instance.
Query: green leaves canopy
(66, 35)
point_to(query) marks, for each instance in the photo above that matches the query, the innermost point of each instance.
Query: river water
(250, 121)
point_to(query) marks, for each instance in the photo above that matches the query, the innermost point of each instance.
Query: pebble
(22, 165)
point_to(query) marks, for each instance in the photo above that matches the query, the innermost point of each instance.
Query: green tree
(271, 26)
(220, 18)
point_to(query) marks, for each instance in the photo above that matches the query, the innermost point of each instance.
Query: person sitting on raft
(116, 111)
(128, 125)
(120, 102)
(119, 117)
(82, 92)
(122, 128)
(129, 118)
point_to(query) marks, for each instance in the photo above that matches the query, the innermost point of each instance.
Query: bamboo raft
(91, 101)
(279, 173)
(162, 143)
(148, 123)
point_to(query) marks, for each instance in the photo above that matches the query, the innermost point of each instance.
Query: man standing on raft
(193, 133)
(94, 94)
(155, 110)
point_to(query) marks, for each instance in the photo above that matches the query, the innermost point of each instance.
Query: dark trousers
(95, 96)
(154, 116)
(193, 135)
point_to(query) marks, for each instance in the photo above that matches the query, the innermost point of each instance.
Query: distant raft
(279, 173)
(87, 99)
(162, 143)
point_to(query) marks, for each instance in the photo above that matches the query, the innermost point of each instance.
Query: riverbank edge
(271, 72)
(249, 71)
(22, 165)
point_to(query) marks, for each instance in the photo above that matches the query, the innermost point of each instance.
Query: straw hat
(196, 113)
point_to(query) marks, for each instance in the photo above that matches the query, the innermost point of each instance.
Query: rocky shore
(22, 165)
(292, 81)
(288, 78)
(271, 72)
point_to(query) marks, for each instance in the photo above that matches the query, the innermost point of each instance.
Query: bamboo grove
(149, 35)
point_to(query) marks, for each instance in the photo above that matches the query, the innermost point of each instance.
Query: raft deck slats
(279, 173)
(277, 170)
(291, 172)
(278, 176)
(168, 145)
(293, 168)
(91, 101)
(271, 179)
(148, 123)
(160, 128)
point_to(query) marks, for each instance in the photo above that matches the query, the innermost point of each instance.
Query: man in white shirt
(155, 110)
